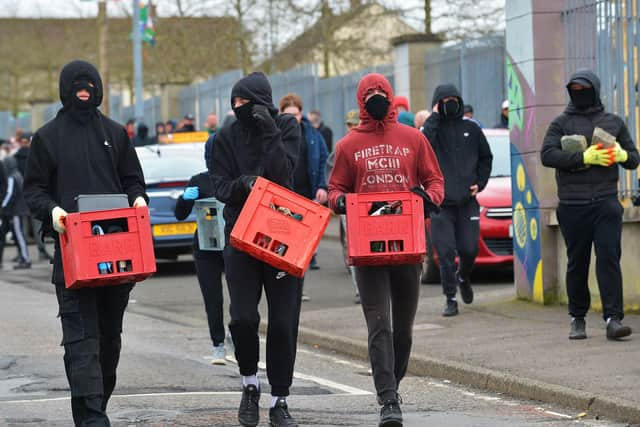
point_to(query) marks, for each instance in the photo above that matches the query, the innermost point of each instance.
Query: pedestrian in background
(589, 212)
(401, 104)
(259, 143)
(209, 264)
(212, 123)
(465, 160)
(389, 293)
(468, 115)
(81, 151)
(316, 121)
(142, 136)
(421, 117)
(14, 209)
(503, 123)
(309, 178)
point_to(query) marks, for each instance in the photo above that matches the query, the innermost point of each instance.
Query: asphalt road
(165, 377)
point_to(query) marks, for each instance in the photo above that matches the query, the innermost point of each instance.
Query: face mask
(377, 107)
(450, 108)
(82, 111)
(243, 114)
(583, 99)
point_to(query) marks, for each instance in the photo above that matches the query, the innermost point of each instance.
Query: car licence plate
(511, 231)
(174, 229)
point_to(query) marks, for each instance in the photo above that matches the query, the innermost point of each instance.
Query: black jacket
(69, 157)
(12, 202)
(239, 150)
(21, 157)
(461, 148)
(573, 180)
(327, 134)
(184, 207)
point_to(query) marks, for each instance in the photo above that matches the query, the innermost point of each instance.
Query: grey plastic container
(210, 224)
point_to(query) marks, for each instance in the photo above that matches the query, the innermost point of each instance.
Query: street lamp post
(137, 63)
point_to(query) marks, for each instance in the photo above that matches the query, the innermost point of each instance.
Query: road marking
(348, 390)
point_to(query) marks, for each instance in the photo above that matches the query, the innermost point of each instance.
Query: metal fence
(333, 97)
(151, 113)
(604, 35)
(476, 68)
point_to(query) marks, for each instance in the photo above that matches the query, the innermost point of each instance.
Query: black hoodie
(70, 157)
(576, 183)
(239, 150)
(461, 148)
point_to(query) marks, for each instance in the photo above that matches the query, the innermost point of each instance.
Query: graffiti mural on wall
(526, 217)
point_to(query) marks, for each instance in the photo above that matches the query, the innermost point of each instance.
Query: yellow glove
(58, 215)
(139, 202)
(620, 154)
(598, 156)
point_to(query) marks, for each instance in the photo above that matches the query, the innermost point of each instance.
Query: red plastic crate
(260, 230)
(83, 253)
(385, 239)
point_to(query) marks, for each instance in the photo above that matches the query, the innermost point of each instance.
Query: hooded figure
(258, 143)
(382, 155)
(589, 212)
(465, 160)
(142, 137)
(82, 151)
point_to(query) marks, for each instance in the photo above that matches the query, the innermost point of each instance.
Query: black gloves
(263, 118)
(429, 206)
(341, 205)
(248, 181)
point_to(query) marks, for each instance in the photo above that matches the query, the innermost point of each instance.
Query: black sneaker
(390, 414)
(451, 309)
(465, 289)
(313, 265)
(578, 329)
(249, 411)
(616, 330)
(279, 415)
(22, 265)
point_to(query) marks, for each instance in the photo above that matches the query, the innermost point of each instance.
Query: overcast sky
(80, 8)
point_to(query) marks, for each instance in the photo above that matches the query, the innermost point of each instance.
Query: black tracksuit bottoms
(455, 231)
(209, 268)
(91, 328)
(598, 224)
(389, 296)
(246, 277)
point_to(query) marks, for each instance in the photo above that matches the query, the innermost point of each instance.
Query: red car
(495, 247)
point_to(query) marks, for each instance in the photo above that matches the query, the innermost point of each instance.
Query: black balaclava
(450, 108)
(244, 115)
(256, 88)
(583, 99)
(75, 76)
(377, 106)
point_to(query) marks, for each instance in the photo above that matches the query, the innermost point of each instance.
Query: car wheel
(430, 270)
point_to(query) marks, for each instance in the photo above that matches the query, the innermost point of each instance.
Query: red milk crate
(274, 237)
(385, 239)
(91, 259)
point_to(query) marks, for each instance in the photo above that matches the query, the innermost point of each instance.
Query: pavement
(504, 345)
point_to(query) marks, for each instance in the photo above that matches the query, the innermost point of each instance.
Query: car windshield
(501, 155)
(176, 167)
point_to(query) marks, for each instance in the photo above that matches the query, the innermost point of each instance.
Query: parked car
(495, 246)
(167, 168)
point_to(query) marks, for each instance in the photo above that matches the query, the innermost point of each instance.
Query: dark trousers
(209, 268)
(596, 224)
(14, 224)
(91, 327)
(389, 296)
(455, 230)
(246, 277)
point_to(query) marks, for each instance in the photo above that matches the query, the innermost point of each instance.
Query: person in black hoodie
(209, 264)
(13, 209)
(465, 160)
(589, 212)
(258, 143)
(81, 151)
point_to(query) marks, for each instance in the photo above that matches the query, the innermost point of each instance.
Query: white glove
(139, 202)
(58, 215)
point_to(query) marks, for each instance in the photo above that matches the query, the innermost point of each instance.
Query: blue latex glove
(191, 193)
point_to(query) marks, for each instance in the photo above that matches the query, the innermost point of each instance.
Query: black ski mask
(75, 76)
(583, 99)
(244, 114)
(377, 106)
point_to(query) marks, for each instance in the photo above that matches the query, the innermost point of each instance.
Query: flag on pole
(146, 24)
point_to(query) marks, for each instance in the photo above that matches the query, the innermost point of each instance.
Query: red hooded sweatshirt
(383, 155)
